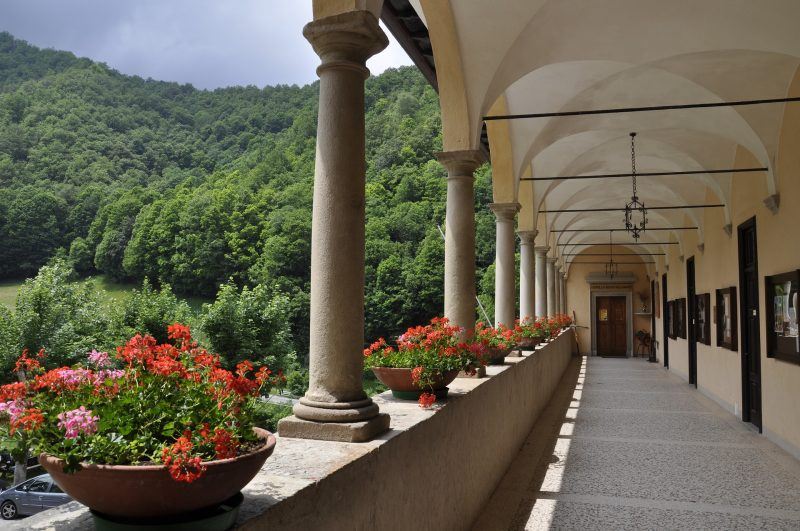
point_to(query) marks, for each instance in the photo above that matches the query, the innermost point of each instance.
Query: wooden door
(665, 319)
(691, 319)
(611, 321)
(750, 318)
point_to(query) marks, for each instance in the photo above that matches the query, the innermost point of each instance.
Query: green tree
(249, 324)
(150, 311)
(54, 313)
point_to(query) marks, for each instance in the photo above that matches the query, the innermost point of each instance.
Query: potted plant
(529, 333)
(424, 361)
(155, 431)
(498, 341)
(553, 327)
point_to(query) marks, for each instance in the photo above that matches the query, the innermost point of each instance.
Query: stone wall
(433, 470)
(440, 470)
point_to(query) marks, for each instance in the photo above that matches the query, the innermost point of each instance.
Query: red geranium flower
(139, 349)
(426, 400)
(180, 463)
(30, 420)
(12, 391)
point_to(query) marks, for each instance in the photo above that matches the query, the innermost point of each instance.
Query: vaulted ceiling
(542, 56)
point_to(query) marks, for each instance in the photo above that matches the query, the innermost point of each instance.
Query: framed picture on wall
(783, 340)
(703, 323)
(680, 312)
(727, 319)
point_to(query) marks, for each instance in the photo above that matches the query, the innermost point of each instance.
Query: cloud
(208, 43)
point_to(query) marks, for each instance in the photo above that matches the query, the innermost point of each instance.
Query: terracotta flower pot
(529, 342)
(497, 355)
(402, 386)
(149, 491)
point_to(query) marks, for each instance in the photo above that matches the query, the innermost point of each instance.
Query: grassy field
(8, 293)
(109, 289)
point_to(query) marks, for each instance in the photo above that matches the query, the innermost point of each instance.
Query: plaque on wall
(783, 340)
(727, 319)
(703, 321)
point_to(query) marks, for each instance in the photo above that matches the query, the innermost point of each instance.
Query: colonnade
(335, 406)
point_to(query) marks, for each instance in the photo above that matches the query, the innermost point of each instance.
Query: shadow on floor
(512, 502)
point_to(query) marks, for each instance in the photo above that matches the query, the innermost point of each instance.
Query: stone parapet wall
(433, 470)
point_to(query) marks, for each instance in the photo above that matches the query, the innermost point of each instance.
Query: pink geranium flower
(13, 408)
(99, 359)
(77, 421)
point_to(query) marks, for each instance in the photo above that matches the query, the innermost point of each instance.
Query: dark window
(39, 486)
(55, 488)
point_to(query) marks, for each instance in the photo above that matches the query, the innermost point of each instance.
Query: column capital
(541, 250)
(460, 163)
(505, 211)
(527, 237)
(552, 260)
(346, 40)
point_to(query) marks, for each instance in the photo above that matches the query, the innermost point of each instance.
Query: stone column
(335, 406)
(504, 263)
(541, 280)
(526, 275)
(557, 283)
(551, 286)
(459, 241)
(563, 293)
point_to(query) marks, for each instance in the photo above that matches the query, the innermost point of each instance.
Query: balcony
(438, 466)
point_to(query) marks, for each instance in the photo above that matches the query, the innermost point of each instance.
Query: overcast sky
(208, 43)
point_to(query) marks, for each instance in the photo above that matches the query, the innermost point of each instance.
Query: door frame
(691, 318)
(665, 319)
(652, 354)
(744, 329)
(628, 318)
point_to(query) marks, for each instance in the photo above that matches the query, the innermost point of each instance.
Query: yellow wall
(579, 295)
(718, 369)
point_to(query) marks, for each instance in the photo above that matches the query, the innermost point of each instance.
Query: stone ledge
(417, 467)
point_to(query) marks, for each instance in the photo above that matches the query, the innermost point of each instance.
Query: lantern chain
(633, 164)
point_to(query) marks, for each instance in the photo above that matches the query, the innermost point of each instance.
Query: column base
(315, 411)
(362, 431)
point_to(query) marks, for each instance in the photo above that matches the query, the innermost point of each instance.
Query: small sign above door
(615, 287)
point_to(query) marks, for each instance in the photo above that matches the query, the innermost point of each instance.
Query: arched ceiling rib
(597, 151)
(630, 31)
(551, 55)
(576, 223)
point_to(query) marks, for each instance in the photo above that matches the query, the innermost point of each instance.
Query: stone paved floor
(627, 445)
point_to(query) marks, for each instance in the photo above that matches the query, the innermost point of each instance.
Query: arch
(457, 122)
(652, 24)
(504, 182)
(723, 124)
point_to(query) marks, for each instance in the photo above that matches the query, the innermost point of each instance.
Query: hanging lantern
(635, 211)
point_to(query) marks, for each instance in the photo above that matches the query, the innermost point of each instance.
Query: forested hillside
(136, 178)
